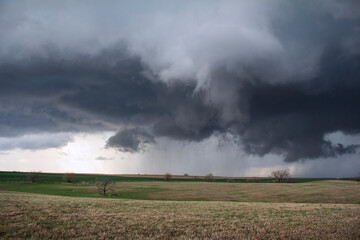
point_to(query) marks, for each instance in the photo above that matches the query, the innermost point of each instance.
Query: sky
(233, 88)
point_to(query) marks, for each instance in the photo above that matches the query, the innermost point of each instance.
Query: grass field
(150, 208)
(24, 215)
(58, 177)
(333, 191)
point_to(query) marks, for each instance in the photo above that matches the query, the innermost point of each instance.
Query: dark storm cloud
(35, 142)
(285, 123)
(278, 76)
(294, 118)
(49, 94)
(130, 140)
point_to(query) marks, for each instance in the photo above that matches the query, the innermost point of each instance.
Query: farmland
(150, 208)
(24, 215)
(58, 177)
(330, 191)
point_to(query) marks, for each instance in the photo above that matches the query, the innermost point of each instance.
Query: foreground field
(334, 191)
(24, 215)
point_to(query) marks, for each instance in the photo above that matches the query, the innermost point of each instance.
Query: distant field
(57, 177)
(312, 192)
(332, 191)
(24, 215)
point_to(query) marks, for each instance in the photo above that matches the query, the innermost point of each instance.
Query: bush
(186, 175)
(281, 176)
(230, 180)
(68, 177)
(33, 177)
(167, 177)
(209, 178)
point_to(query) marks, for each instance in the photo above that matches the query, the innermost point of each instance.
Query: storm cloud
(35, 141)
(130, 140)
(277, 77)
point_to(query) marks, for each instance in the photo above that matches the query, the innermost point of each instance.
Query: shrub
(209, 178)
(33, 176)
(68, 177)
(186, 175)
(167, 177)
(230, 180)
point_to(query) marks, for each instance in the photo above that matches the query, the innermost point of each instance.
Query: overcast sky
(236, 88)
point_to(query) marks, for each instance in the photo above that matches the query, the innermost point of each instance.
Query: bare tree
(33, 176)
(281, 176)
(68, 177)
(104, 185)
(209, 178)
(167, 176)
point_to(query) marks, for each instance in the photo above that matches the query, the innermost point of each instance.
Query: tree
(167, 177)
(104, 185)
(33, 176)
(69, 177)
(209, 178)
(281, 176)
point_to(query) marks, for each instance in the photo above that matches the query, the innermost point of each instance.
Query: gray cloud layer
(130, 140)
(35, 142)
(278, 76)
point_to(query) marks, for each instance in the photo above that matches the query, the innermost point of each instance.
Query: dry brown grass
(34, 216)
(312, 192)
